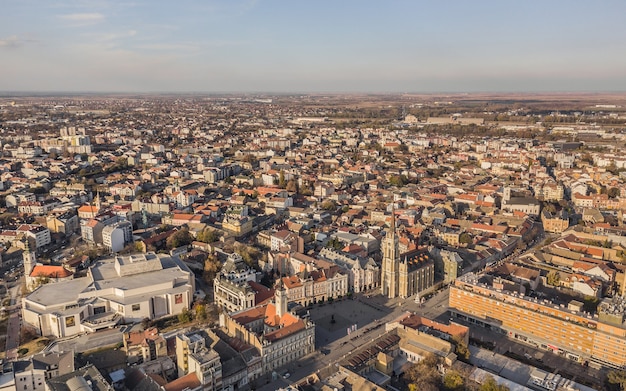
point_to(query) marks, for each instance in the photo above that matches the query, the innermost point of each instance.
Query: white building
(119, 289)
(116, 236)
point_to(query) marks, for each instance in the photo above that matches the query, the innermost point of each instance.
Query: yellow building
(561, 328)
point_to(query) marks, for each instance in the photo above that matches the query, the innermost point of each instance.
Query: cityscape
(259, 195)
(313, 241)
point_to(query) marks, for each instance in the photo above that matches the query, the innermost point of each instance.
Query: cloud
(13, 42)
(83, 18)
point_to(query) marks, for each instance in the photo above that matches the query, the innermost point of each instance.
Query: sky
(327, 46)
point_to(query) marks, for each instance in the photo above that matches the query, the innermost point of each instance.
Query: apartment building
(562, 328)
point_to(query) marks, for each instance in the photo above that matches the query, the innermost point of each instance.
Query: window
(178, 298)
(70, 321)
(136, 307)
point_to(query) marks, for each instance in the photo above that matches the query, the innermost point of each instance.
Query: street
(14, 324)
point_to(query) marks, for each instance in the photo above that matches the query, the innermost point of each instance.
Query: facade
(279, 335)
(562, 328)
(450, 265)
(66, 223)
(316, 286)
(232, 288)
(555, 223)
(144, 345)
(407, 274)
(363, 273)
(121, 289)
(116, 236)
(32, 374)
(193, 356)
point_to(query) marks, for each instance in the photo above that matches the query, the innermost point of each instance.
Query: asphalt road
(14, 324)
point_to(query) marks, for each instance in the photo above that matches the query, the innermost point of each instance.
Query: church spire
(393, 220)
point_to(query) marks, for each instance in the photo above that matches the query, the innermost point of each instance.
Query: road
(87, 342)
(14, 324)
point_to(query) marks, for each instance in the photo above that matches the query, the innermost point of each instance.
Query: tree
(398, 180)
(424, 375)
(616, 380)
(292, 186)
(613, 192)
(200, 310)
(209, 235)
(490, 385)
(179, 238)
(465, 238)
(553, 278)
(329, 205)
(453, 381)
(462, 351)
(184, 316)
(212, 265)
(281, 179)
(249, 254)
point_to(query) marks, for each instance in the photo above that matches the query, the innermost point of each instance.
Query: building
(363, 273)
(449, 264)
(528, 205)
(193, 356)
(116, 236)
(120, 289)
(144, 345)
(310, 287)
(555, 223)
(66, 223)
(407, 274)
(280, 336)
(235, 287)
(31, 374)
(560, 327)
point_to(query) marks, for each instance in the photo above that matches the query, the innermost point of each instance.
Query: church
(406, 274)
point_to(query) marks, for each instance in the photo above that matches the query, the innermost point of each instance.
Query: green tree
(453, 381)
(329, 205)
(490, 385)
(398, 180)
(292, 186)
(553, 278)
(462, 351)
(209, 235)
(465, 238)
(424, 374)
(613, 192)
(184, 316)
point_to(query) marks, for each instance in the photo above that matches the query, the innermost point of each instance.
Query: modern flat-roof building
(562, 328)
(120, 289)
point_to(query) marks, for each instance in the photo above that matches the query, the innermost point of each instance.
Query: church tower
(29, 258)
(391, 261)
(280, 299)
(97, 202)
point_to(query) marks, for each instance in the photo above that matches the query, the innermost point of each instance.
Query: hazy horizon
(273, 47)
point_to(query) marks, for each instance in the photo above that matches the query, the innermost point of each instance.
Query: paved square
(346, 313)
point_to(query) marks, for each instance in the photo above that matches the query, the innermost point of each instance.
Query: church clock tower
(391, 261)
